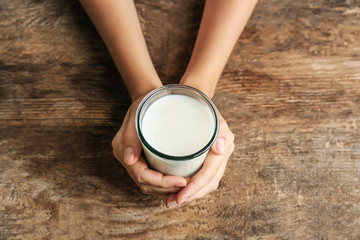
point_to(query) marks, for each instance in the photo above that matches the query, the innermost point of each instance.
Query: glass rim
(209, 102)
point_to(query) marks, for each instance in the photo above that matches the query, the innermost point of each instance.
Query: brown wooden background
(290, 92)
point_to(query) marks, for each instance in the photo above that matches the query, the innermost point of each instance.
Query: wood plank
(290, 92)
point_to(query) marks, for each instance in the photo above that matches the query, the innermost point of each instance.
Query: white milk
(178, 125)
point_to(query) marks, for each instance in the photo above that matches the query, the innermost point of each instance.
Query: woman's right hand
(127, 150)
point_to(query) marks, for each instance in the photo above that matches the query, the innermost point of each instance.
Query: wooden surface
(290, 92)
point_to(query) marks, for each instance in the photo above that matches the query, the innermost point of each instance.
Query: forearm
(119, 27)
(221, 25)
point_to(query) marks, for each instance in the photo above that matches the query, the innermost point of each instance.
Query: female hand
(127, 150)
(209, 176)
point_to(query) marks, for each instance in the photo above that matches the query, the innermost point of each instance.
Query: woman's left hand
(209, 176)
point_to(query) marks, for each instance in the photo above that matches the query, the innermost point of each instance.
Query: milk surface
(178, 125)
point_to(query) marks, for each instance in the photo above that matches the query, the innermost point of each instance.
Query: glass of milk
(176, 124)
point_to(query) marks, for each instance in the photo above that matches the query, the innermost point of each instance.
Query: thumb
(129, 156)
(131, 143)
(132, 150)
(219, 146)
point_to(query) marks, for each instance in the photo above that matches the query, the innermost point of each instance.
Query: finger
(153, 190)
(171, 201)
(142, 174)
(155, 178)
(131, 143)
(117, 139)
(225, 137)
(211, 168)
(211, 186)
(219, 147)
(202, 178)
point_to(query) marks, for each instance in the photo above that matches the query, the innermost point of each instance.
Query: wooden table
(290, 92)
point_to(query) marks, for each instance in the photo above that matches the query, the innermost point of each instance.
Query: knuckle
(117, 139)
(117, 156)
(113, 143)
(144, 189)
(114, 153)
(162, 182)
(139, 180)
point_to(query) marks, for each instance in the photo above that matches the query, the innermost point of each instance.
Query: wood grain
(290, 92)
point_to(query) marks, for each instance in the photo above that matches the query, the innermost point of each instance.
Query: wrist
(204, 85)
(143, 89)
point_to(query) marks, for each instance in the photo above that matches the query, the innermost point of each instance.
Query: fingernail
(180, 185)
(220, 145)
(172, 204)
(129, 155)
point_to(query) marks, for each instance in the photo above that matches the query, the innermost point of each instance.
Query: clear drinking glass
(185, 166)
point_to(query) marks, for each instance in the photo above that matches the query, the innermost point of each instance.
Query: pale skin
(221, 25)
